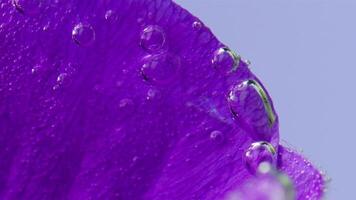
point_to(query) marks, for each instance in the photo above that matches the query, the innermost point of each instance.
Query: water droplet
(197, 25)
(217, 136)
(259, 156)
(83, 34)
(252, 108)
(152, 38)
(30, 7)
(161, 68)
(225, 61)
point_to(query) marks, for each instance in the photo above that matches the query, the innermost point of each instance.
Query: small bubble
(152, 94)
(126, 108)
(45, 27)
(83, 34)
(140, 21)
(259, 156)
(125, 103)
(161, 68)
(61, 79)
(248, 62)
(225, 61)
(197, 25)
(110, 16)
(36, 69)
(135, 158)
(30, 7)
(217, 136)
(152, 38)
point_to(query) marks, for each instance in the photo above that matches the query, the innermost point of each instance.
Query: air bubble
(36, 69)
(30, 7)
(217, 136)
(152, 94)
(197, 25)
(126, 108)
(83, 34)
(225, 61)
(61, 80)
(252, 108)
(125, 103)
(161, 68)
(260, 156)
(152, 38)
(110, 16)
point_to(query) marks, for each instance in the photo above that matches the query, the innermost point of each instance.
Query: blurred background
(304, 51)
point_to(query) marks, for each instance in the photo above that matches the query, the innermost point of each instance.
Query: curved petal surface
(122, 100)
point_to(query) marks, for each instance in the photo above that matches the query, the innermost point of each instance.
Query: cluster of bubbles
(260, 157)
(161, 67)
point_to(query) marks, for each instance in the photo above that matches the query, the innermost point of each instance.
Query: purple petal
(309, 182)
(125, 100)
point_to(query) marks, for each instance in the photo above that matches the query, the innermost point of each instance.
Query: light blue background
(304, 51)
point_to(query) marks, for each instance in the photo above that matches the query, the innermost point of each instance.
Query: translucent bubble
(126, 108)
(110, 16)
(152, 38)
(30, 7)
(197, 25)
(61, 80)
(36, 69)
(217, 136)
(252, 108)
(259, 156)
(225, 61)
(62, 77)
(126, 104)
(161, 68)
(152, 94)
(134, 159)
(83, 34)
